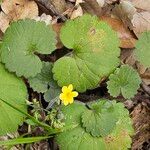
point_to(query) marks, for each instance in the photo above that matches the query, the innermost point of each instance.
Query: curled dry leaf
(136, 21)
(126, 37)
(4, 22)
(125, 8)
(125, 11)
(141, 22)
(77, 12)
(140, 4)
(19, 9)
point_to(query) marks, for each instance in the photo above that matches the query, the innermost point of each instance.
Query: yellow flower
(67, 95)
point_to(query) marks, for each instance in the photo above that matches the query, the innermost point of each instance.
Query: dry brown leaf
(141, 122)
(138, 22)
(111, 1)
(19, 9)
(91, 7)
(141, 22)
(71, 0)
(101, 2)
(127, 57)
(77, 12)
(141, 4)
(125, 11)
(126, 37)
(79, 1)
(4, 22)
(60, 5)
(140, 68)
(146, 76)
(57, 28)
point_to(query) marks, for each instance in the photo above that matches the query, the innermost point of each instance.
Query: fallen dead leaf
(136, 21)
(126, 37)
(57, 28)
(79, 1)
(4, 22)
(141, 4)
(77, 12)
(71, 0)
(91, 7)
(141, 22)
(111, 1)
(60, 5)
(101, 2)
(141, 116)
(127, 57)
(125, 11)
(19, 9)
(146, 76)
(140, 68)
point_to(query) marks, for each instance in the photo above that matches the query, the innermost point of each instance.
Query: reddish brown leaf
(126, 37)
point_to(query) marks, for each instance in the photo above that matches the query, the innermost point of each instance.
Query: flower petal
(70, 87)
(65, 103)
(71, 100)
(62, 96)
(64, 89)
(74, 94)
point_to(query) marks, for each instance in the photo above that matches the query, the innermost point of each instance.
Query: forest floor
(129, 18)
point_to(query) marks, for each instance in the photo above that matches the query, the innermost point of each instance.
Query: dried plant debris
(141, 121)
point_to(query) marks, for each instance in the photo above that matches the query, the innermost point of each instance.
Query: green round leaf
(97, 119)
(41, 81)
(142, 51)
(124, 80)
(12, 90)
(95, 53)
(22, 40)
(77, 138)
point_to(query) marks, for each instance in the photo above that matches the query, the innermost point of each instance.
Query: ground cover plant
(69, 88)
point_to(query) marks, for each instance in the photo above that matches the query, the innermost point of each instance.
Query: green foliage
(124, 80)
(77, 138)
(22, 140)
(95, 53)
(142, 51)
(53, 92)
(96, 120)
(12, 90)
(55, 119)
(21, 42)
(41, 81)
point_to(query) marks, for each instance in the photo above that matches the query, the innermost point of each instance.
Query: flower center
(69, 95)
